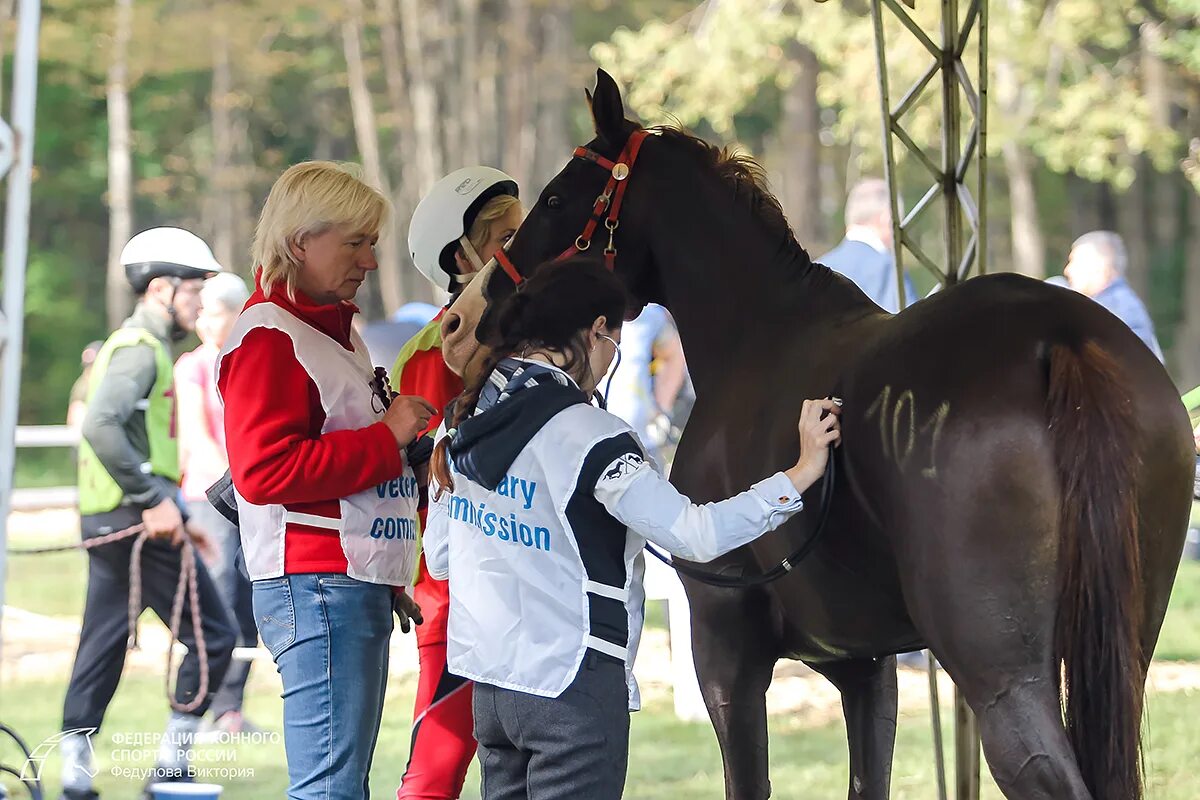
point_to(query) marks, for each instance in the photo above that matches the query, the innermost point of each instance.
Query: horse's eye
(554, 202)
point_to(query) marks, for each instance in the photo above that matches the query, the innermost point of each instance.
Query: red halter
(614, 191)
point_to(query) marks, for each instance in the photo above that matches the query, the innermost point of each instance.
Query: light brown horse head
(463, 352)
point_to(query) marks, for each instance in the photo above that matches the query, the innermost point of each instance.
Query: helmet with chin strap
(171, 253)
(166, 253)
(444, 217)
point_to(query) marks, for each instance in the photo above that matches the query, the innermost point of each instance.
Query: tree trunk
(405, 195)
(518, 96)
(489, 109)
(397, 91)
(368, 147)
(222, 178)
(447, 68)
(1028, 244)
(553, 116)
(413, 23)
(118, 299)
(1133, 223)
(469, 82)
(799, 151)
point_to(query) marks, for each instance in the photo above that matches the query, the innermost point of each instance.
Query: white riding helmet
(166, 252)
(445, 215)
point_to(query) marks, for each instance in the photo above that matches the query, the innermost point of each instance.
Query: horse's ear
(608, 112)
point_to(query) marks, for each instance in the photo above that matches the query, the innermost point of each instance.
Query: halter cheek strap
(609, 200)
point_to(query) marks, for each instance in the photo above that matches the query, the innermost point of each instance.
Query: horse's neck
(736, 287)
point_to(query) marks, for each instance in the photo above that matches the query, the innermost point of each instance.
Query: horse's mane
(741, 172)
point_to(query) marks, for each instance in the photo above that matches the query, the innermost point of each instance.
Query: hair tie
(452, 432)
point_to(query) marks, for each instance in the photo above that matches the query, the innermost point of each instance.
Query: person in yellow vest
(129, 474)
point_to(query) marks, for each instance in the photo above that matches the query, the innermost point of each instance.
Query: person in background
(385, 338)
(325, 485)
(865, 254)
(1096, 267)
(203, 460)
(129, 475)
(464, 219)
(650, 377)
(77, 407)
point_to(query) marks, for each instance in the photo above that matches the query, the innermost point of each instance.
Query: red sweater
(277, 453)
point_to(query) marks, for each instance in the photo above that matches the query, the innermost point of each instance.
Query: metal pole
(951, 145)
(16, 247)
(889, 153)
(935, 703)
(981, 36)
(966, 749)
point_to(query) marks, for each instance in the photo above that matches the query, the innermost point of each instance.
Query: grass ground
(669, 758)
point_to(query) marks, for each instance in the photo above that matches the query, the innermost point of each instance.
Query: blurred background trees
(182, 112)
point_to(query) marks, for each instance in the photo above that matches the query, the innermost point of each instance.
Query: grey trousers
(571, 747)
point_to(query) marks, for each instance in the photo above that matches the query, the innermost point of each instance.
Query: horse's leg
(735, 653)
(869, 701)
(990, 622)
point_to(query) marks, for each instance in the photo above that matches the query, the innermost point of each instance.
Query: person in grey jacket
(865, 254)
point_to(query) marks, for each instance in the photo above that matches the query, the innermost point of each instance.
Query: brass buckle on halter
(620, 171)
(611, 224)
(581, 243)
(601, 204)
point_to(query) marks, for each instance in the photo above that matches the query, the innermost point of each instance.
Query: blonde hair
(308, 199)
(481, 228)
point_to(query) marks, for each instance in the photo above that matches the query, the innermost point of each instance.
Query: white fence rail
(661, 581)
(40, 437)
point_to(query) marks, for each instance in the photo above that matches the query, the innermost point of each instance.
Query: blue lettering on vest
(393, 528)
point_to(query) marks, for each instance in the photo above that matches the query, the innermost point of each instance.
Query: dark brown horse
(1013, 486)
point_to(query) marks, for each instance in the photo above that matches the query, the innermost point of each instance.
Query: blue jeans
(329, 637)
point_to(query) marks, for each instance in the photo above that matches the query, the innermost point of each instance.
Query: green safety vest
(98, 492)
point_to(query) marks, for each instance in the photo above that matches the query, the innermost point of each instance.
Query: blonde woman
(460, 224)
(326, 498)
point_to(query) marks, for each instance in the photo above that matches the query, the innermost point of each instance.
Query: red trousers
(443, 739)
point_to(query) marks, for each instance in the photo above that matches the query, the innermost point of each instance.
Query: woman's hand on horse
(819, 430)
(407, 417)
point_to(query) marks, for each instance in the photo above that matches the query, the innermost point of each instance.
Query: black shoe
(163, 775)
(76, 794)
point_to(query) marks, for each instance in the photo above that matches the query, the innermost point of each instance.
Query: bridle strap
(609, 201)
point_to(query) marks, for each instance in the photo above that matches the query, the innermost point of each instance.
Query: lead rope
(776, 572)
(187, 583)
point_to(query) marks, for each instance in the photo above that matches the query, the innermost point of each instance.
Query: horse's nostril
(451, 324)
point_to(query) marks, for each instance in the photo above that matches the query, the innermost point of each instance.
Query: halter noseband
(609, 200)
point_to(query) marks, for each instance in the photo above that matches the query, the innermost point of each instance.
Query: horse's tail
(1099, 608)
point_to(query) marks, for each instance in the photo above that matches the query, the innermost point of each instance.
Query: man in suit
(865, 255)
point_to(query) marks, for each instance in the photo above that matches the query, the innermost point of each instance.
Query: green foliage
(58, 313)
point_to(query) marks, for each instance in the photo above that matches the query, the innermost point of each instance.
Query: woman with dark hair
(542, 505)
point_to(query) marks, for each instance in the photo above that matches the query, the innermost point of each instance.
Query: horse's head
(558, 224)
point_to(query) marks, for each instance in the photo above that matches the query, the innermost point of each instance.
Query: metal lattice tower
(964, 229)
(16, 166)
(964, 232)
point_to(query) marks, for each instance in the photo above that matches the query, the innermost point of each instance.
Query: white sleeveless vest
(530, 633)
(377, 526)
